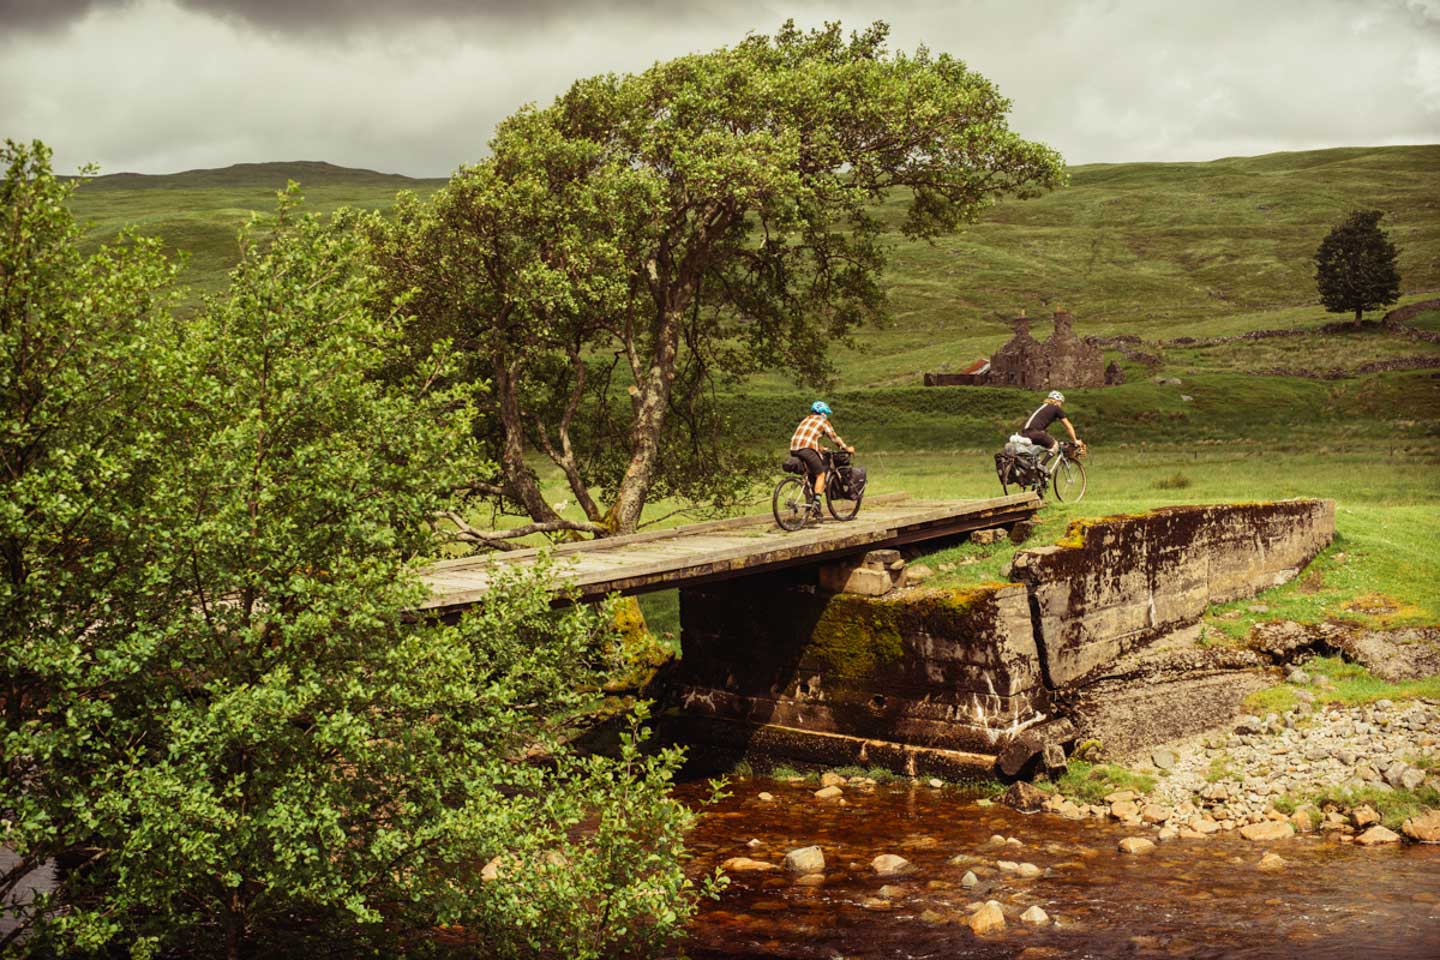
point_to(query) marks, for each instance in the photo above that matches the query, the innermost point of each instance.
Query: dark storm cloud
(342, 16)
(44, 14)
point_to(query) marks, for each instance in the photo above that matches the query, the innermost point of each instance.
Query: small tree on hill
(649, 236)
(1355, 266)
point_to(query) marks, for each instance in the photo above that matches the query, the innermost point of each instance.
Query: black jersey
(1044, 415)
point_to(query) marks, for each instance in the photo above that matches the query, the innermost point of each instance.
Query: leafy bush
(218, 706)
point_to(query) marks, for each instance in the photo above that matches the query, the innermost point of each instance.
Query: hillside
(1157, 249)
(200, 211)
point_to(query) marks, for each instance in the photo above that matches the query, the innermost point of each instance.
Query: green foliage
(84, 353)
(1176, 481)
(1355, 267)
(214, 698)
(673, 231)
(1090, 783)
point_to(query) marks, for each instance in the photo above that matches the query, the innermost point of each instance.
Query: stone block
(864, 580)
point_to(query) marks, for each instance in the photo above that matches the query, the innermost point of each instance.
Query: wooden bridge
(720, 549)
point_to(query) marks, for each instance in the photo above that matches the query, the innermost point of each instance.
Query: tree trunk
(649, 423)
(519, 478)
(1358, 313)
(234, 927)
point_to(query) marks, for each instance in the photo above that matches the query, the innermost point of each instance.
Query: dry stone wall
(1119, 583)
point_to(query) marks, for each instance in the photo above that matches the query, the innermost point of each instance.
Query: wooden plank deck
(699, 552)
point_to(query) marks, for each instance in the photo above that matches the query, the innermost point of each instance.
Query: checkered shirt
(807, 435)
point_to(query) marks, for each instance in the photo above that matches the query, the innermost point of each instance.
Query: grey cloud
(342, 17)
(163, 85)
(45, 14)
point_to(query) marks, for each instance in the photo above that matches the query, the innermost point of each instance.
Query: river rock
(1070, 810)
(890, 865)
(875, 903)
(1267, 831)
(987, 919)
(1167, 833)
(1122, 796)
(1164, 758)
(803, 860)
(1124, 809)
(969, 880)
(1364, 816)
(1271, 861)
(810, 880)
(1035, 916)
(1025, 797)
(1006, 866)
(934, 783)
(746, 865)
(1377, 835)
(1424, 828)
(828, 793)
(1028, 871)
(765, 797)
(1136, 845)
(1155, 813)
(1301, 819)
(831, 780)
(891, 892)
(1412, 778)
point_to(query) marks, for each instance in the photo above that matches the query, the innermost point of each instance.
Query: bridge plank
(681, 555)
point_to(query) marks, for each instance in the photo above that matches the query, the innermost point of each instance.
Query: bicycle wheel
(1069, 481)
(789, 504)
(841, 509)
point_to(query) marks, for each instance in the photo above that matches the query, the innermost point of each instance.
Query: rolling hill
(1156, 249)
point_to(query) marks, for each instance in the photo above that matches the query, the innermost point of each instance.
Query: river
(1187, 898)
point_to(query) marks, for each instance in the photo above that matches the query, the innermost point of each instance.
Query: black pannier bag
(1004, 465)
(854, 482)
(793, 465)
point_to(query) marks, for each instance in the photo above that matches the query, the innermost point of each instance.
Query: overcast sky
(416, 87)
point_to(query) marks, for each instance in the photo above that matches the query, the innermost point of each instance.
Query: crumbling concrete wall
(945, 668)
(977, 672)
(1116, 584)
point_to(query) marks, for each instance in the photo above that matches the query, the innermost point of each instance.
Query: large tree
(648, 237)
(1355, 266)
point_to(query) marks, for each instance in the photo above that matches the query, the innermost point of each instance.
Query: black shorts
(1042, 437)
(814, 464)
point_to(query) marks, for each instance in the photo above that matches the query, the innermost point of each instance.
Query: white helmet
(1057, 396)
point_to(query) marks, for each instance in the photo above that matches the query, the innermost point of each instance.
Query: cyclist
(805, 444)
(1037, 428)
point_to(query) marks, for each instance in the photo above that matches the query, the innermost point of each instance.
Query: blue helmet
(820, 407)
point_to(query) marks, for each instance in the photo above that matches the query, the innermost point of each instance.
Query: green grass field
(1157, 250)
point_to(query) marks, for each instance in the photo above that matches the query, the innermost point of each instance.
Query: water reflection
(1203, 898)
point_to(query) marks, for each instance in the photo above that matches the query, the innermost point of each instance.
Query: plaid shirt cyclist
(807, 435)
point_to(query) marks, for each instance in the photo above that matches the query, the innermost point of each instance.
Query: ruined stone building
(1063, 360)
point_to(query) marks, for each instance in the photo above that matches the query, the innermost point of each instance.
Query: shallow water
(1200, 898)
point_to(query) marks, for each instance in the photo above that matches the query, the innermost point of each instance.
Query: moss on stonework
(857, 636)
(1077, 531)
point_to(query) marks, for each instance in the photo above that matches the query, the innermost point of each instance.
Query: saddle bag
(793, 465)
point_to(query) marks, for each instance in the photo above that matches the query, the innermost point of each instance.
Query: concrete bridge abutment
(976, 680)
